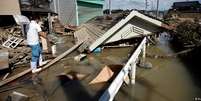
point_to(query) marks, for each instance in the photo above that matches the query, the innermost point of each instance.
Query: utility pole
(109, 6)
(146, 5)
(157, 9)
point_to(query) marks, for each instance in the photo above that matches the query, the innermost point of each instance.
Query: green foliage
(189, 32)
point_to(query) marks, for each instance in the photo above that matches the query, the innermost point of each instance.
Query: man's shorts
(35, 51)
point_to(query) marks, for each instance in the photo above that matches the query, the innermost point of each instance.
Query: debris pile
(105, 27)
(11, 39)
(95, 28)
(6, 32)
(62, 29)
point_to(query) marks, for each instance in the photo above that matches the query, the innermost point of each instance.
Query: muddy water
(168, 80)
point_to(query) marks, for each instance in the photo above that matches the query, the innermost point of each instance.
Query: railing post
(133, 73)
(128, 69)
(143, 52)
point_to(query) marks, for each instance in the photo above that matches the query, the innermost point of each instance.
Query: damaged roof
(120, 24)
(142, 24)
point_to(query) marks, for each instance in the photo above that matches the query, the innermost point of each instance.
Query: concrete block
(4, 63)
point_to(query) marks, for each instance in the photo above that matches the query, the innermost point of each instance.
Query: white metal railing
(129, 68)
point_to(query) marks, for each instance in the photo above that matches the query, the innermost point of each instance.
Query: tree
(188, 32)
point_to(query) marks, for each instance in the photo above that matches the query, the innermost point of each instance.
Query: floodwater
(168, 80)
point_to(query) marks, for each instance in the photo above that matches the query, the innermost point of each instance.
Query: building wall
(66, 10)
(9, 7)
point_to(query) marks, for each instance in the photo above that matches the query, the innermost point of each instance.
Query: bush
(189, 32)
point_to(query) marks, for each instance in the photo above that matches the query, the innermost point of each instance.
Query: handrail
(110, 93)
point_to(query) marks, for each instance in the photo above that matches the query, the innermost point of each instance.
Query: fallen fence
(129, 68)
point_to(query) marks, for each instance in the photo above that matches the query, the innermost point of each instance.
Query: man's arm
(43, 34)
(40, 32)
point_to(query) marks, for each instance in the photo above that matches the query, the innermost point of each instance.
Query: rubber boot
(41, 62)
(33, 65)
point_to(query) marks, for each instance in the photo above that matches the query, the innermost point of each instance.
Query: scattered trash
(106, 74)
(54, 50)
(146, 65)
(16, 96)
(12, 42)
(5, 76)
(79, 57)
(74, 75)
(97, 50)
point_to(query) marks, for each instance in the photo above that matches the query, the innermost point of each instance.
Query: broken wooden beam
(45, 67)
(62, 55)
(14, 77)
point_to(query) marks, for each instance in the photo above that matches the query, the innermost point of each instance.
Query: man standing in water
(33, 33)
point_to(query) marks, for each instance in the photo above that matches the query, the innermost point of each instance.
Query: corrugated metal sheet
(9, 7)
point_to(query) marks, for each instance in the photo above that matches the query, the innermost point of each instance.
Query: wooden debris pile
(88, 33)
(57, 26)
(11, 39)
(5, 32)
(62, 29)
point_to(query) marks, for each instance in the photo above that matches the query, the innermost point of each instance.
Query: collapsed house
(133, 25)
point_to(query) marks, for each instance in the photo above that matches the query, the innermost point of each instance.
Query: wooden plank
(45, 67)
(14, 77)
(62, 55)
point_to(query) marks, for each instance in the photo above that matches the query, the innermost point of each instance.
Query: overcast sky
(140, 4)
(166, 4)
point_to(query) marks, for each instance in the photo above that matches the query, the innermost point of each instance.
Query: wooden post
(23, 30)
(50, 22)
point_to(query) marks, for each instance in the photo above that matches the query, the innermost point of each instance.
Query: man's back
(32, 34)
